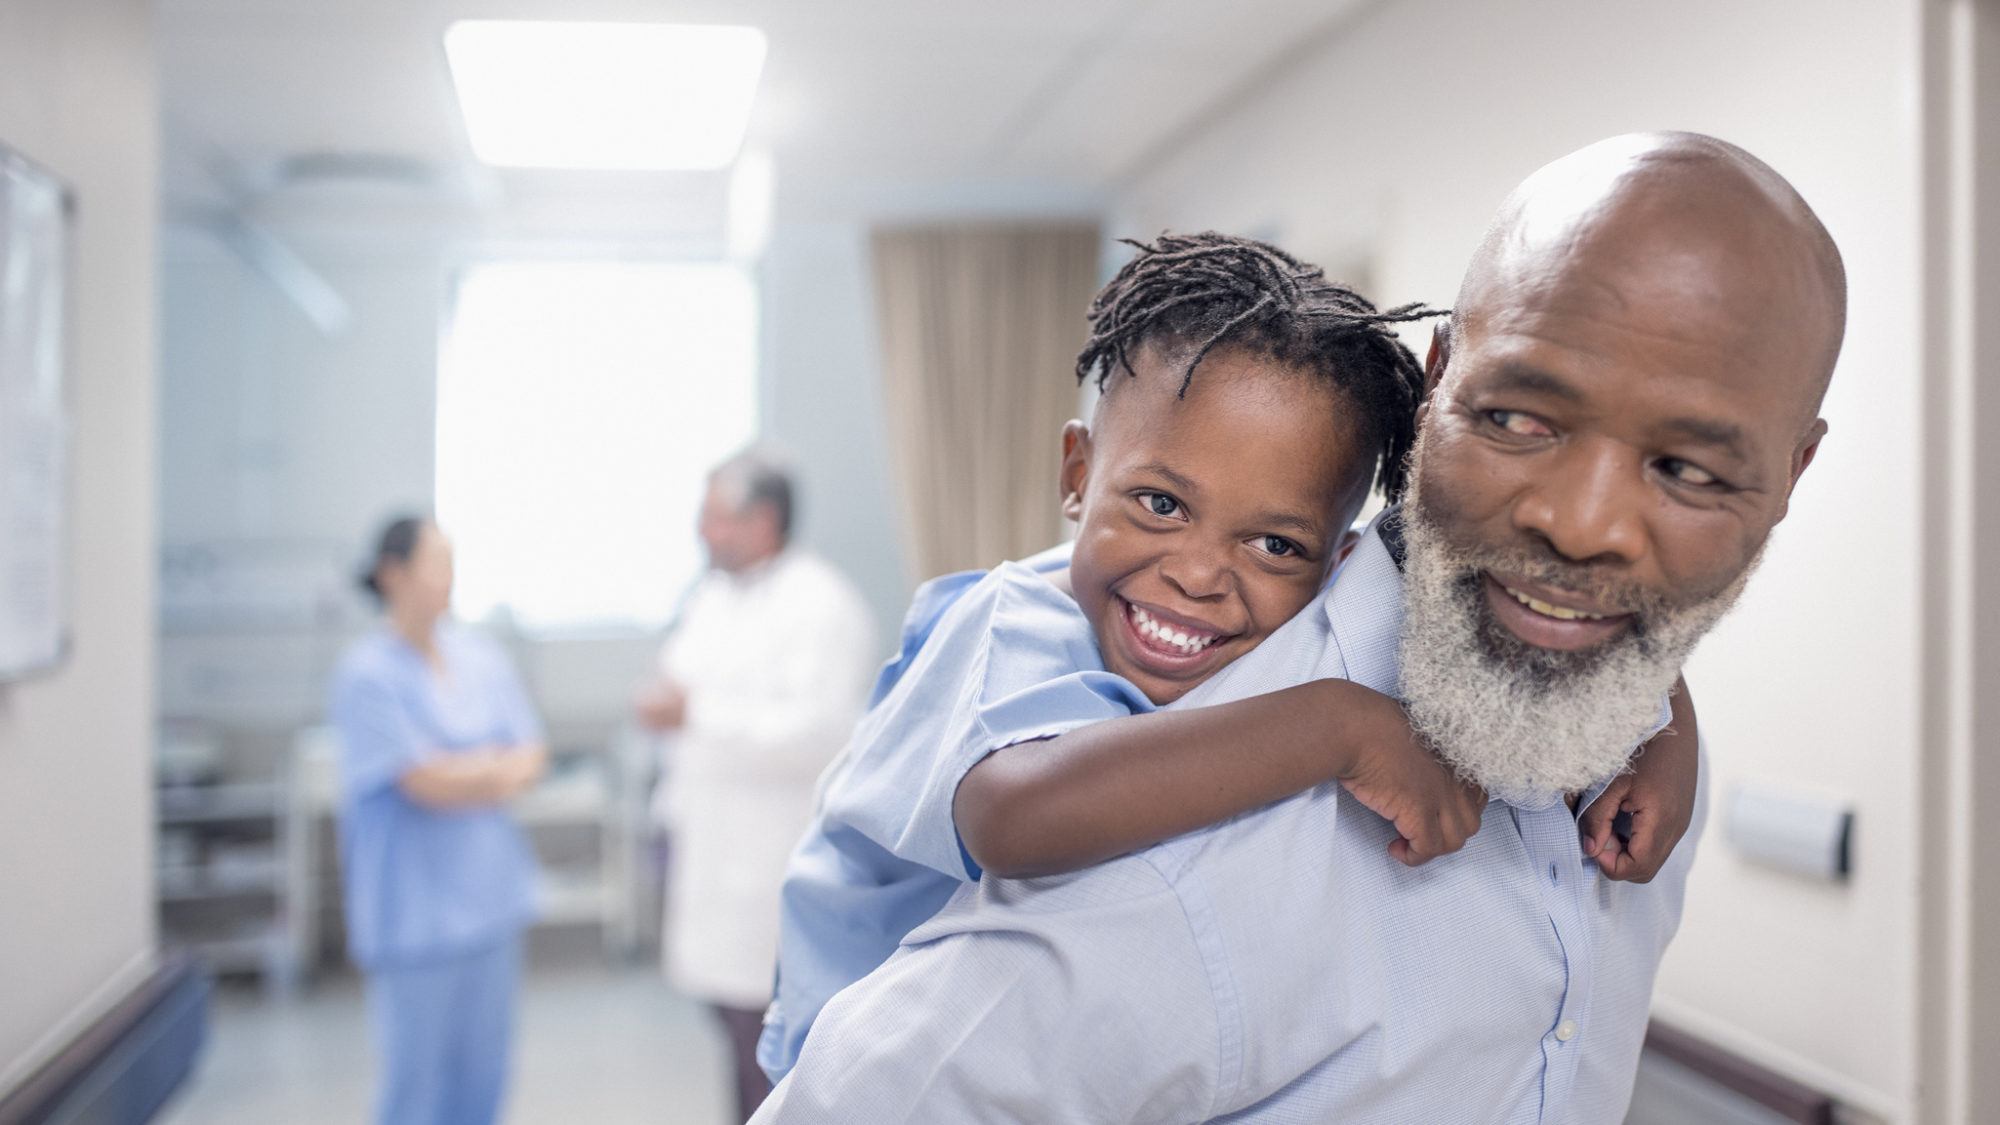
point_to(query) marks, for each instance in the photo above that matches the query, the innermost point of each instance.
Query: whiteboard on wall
(35, 210)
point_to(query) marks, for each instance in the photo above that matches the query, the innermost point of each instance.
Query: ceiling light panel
(628, 96)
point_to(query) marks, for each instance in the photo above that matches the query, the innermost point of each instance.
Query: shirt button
(1565, 1031)
(1553, 877)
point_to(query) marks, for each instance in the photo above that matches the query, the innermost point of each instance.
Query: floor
(595, 1044)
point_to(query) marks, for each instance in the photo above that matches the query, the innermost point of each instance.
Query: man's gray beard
(1530, 724)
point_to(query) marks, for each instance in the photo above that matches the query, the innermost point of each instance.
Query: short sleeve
(1013, 661)
(378, 743)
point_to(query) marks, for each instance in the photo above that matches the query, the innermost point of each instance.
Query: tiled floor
(595, 1046)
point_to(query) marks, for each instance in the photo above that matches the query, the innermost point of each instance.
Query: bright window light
(580, 407)
(546, 94)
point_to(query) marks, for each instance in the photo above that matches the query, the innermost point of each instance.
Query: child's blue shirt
(986, 661)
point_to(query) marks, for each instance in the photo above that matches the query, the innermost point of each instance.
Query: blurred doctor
(759, 685)
(436, 736)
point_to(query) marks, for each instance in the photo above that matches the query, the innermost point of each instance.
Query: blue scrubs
(436, 900)
(986, 661)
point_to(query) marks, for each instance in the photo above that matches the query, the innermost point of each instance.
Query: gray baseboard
(122, 1069)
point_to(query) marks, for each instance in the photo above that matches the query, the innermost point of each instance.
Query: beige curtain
(980, 326)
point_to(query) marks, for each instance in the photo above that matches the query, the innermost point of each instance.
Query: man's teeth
(1187, 642)
(1555, 611)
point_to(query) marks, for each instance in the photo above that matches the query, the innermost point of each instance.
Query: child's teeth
(1187, 642)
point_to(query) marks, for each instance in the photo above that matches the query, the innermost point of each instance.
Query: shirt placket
(1552, 842)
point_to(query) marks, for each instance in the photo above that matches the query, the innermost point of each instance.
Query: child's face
(1206, 522)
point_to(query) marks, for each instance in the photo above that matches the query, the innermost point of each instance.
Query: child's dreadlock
(1203, 290)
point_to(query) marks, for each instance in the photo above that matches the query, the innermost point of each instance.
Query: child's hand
(1658, 797)
(1396, 777)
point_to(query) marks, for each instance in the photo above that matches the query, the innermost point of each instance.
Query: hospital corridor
(699, 562)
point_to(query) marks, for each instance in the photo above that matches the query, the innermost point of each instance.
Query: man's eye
(1515, 422)
(1160, 504)
(1686, 472)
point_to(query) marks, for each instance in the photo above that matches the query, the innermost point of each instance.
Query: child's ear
(1075, 468)
(1349, 540)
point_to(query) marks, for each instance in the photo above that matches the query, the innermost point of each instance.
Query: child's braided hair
(1198, 291)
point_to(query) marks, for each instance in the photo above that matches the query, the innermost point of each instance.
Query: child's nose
(1199, 575)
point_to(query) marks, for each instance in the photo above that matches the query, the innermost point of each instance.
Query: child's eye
(1279, 546)
(1160, 504)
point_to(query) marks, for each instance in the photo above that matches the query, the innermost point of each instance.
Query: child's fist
(1634, 825)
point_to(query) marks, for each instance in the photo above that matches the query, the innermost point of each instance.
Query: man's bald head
(1691, 224)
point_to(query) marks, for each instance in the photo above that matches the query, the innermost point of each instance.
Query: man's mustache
(1530, 560)
(1593, 583)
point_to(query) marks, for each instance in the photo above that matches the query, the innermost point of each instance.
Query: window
(580, 405)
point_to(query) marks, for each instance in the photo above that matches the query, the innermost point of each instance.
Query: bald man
(1624, 400)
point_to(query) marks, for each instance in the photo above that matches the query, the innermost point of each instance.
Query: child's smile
(1171, 645)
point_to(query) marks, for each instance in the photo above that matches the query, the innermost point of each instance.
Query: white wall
(271, 429)
(77, 95)
(1391, 144)
(822, 405)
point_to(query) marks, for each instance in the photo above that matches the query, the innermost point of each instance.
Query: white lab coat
(776, 664)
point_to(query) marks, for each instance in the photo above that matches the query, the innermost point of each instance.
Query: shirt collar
(1660, 722)
(1364, 610)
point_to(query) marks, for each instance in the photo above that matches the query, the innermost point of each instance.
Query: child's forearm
(1117, 786)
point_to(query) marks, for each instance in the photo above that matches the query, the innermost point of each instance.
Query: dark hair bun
(396, 543)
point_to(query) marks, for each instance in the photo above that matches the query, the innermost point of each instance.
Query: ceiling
(259, 94)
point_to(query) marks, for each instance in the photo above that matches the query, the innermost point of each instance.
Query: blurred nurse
(436, 737)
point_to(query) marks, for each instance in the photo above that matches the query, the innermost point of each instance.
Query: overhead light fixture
(626, 96)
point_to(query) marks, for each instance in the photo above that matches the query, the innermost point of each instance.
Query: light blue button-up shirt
(986, 662)
(1279, 967)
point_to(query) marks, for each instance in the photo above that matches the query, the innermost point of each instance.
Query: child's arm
(1658, 794)
(1113, 787)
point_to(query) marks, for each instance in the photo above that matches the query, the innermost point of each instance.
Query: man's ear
(1435, 361)
(1075, 473)
(1802, 457)
(1438, 358)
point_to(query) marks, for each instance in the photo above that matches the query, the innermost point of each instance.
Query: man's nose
(1198, 572)
(1591, 506)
